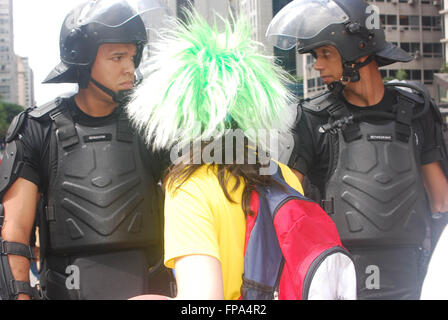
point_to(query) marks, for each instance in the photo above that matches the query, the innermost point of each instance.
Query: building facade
(206, 8)
(260, 14)
(8, 66)
(25, 83)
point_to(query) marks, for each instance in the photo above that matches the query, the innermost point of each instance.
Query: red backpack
(287, 239)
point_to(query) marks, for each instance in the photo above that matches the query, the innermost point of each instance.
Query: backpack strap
(261, 246)
(277, 195)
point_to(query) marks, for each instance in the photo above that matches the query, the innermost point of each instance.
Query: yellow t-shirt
(200, 220)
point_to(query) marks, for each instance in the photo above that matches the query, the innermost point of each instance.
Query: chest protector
(100, 197)
(375, 193)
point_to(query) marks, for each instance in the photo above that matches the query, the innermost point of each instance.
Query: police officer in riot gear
(372, 150)
(79, 161)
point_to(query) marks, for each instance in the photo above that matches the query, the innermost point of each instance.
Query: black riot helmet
(352, 26)
(96, 22)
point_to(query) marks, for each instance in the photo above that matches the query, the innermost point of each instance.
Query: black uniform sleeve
(155, 161)
(303, 153)
(161, 163)
(430, 128)
(33, 138)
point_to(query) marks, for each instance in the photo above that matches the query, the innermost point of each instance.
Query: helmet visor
(115, 13)
(303, 19)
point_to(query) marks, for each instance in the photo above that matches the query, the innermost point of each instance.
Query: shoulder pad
(35, 113)
(43, 110)
(319, 102)
(438, 115)
(293, 113)
(414, 96)
(15, 126)
(9, 167)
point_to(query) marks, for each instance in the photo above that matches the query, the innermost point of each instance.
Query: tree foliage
(7, 112)
(401, 75)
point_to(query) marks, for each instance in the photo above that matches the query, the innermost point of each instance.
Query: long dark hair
(247, 173)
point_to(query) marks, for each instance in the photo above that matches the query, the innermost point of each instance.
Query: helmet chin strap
(336, 87)
(119, 97)
(350, 73)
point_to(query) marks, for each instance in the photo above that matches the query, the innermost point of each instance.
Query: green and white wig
(199, 83)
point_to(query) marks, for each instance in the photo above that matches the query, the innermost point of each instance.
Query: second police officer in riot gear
(370, 149)
(100, 225)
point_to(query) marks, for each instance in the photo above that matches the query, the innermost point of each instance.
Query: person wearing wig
(200, 87)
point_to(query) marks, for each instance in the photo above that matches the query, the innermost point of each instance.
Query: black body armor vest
(102, 215)
(377, 189)
(100, 196)
(374, 191)
(375, 194)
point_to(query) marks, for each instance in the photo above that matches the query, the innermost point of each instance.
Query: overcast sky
(36, 35)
